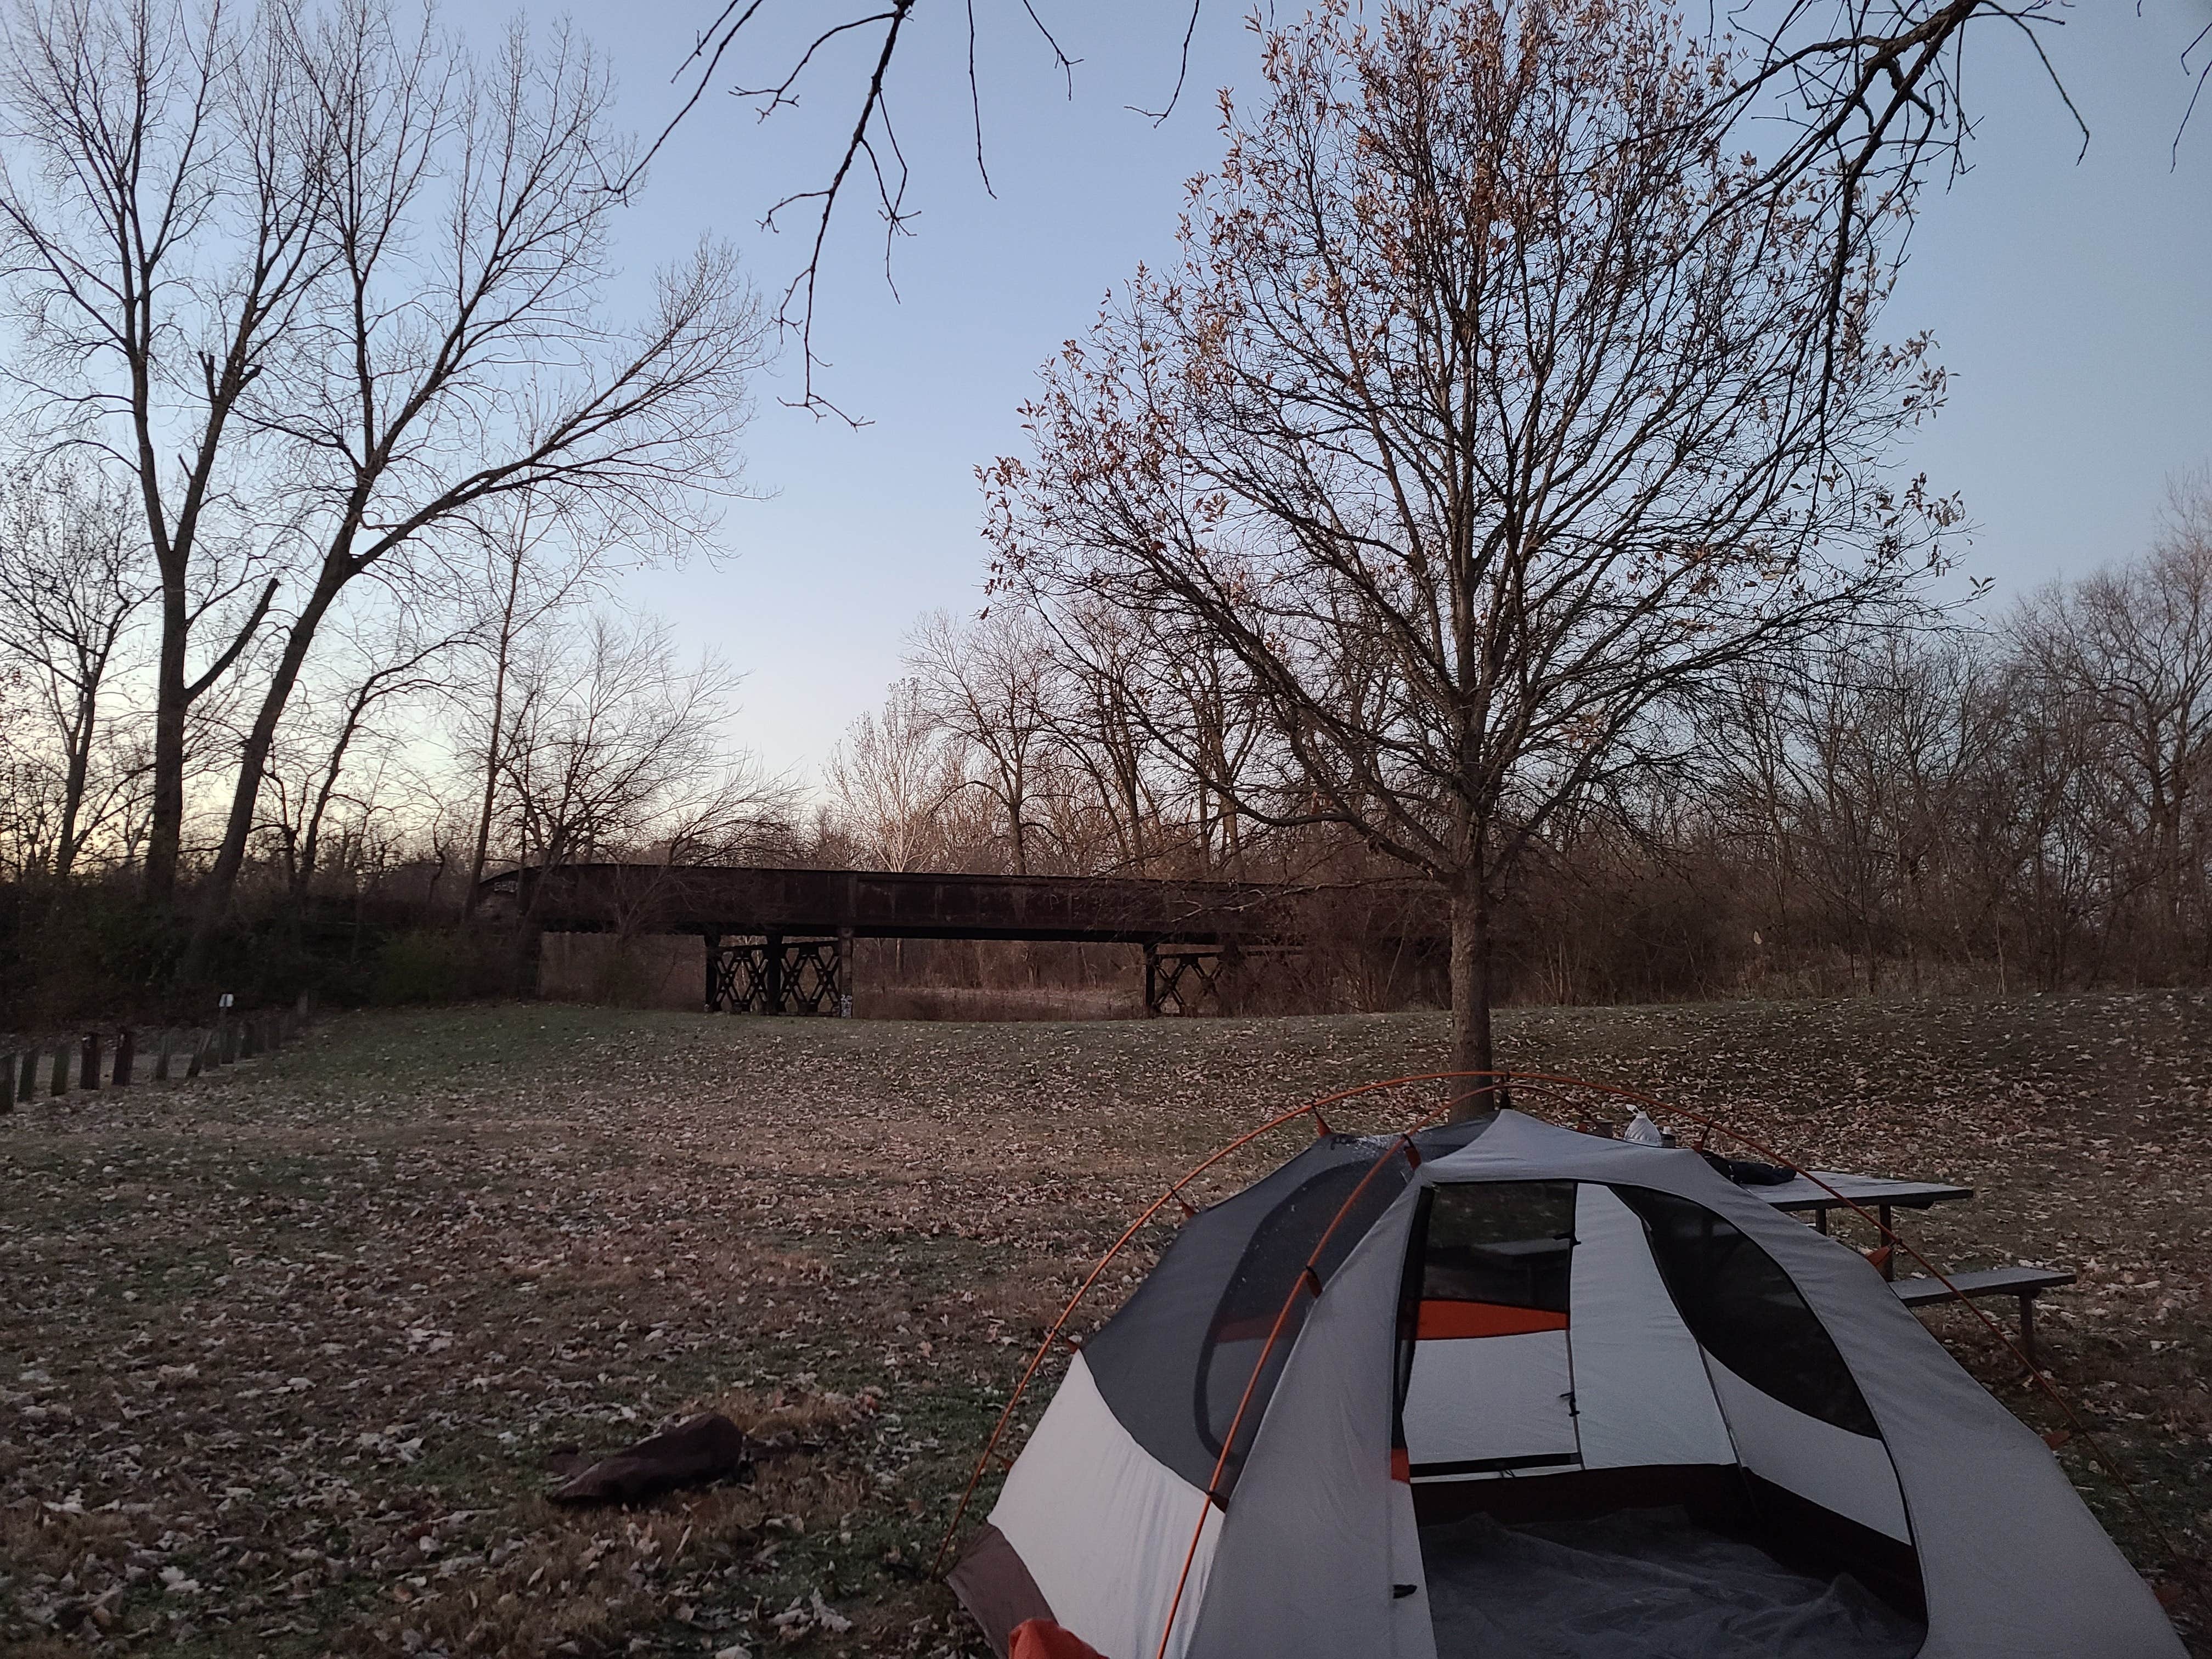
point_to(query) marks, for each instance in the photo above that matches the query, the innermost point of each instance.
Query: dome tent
(1503, 1389)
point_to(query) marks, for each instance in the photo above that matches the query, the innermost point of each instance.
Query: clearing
(284, 1352)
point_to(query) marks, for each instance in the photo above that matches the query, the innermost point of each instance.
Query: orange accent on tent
(1253, 1328)
(1040, 1638)
(1175, 1191)
(1441, 1321)
(1401, 1465)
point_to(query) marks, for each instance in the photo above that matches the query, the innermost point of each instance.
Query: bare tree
(2131, 650)
(157, 208)
(73, 577)
(1219, 728)
(1852, 766)
(1474, 433)
(356, 277)
(614, 751)
(984, 684)
(1100, 676)
(338, 732)
(890, 778)
(1868, 95)
(25, 804)
(525, 586)
(424, 386)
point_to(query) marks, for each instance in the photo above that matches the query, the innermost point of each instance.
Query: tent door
(1488, 1384)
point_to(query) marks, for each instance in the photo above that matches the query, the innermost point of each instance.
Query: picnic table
(1833, 1189)
(1824, 1190)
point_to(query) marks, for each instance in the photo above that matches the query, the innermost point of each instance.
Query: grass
(284, 1353)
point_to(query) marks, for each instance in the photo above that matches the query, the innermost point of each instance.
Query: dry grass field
(284, 1353)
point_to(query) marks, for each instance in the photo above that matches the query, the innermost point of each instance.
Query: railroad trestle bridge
(780, 941)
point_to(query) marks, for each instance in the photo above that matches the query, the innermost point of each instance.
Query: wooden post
(714, 968)
(8, 1082)
(57, 1085)
(1151, 980)
(26, 1080)
(161, 1056)
(126, 1057)
(774, 974)
(87, 1075)
(248, 1033)
(844, 973)
(225, 1041)
(199, 1061)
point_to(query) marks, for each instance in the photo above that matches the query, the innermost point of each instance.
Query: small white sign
(225, 1003)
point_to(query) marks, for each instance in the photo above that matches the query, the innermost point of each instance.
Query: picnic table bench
(1824, 1190)
(2026, 1283)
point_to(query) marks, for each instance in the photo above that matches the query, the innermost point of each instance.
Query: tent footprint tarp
(1642, 1584)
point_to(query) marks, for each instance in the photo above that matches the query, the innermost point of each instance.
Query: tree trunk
(165, 828)
(79, 765)
(482, 851)
(1471, 1049)
(253, 767)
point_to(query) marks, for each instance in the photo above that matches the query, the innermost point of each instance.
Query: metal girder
(1180, 983)
(776, 975)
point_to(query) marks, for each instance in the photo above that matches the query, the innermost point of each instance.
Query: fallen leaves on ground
(290, 1352)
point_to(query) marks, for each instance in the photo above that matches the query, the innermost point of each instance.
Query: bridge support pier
(772, 974)
(1182, 981)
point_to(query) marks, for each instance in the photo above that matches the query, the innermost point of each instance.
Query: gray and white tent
(1543, 1393)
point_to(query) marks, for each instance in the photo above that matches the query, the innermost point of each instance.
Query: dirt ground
(284, 1352)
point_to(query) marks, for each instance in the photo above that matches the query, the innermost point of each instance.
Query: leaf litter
(292, 1356)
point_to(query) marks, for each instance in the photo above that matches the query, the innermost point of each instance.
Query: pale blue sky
(2069, 299)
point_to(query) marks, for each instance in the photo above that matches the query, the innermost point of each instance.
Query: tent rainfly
(1539, 1392)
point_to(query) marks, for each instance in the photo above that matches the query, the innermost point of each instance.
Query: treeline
(2006, 803)
(2015, 802)
(326, 453)
(407, 770)
(328, 459)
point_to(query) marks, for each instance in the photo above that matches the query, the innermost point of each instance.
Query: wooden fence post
(26, 1080)
(161, 1057)
(193, 1066)
(57, 1085)
(8, 1082)
(126, 1057)
(247, 1048)
(87, 1076)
